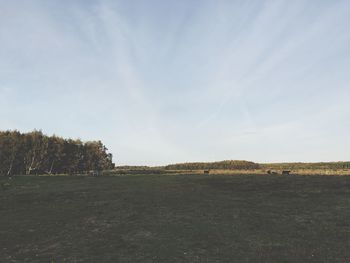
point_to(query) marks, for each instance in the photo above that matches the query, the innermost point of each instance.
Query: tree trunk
(10, 169)
(30, 168)
(50, 172)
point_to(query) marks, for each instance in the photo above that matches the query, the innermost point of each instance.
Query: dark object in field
(286, 172)
(271, 172)
(206, 171)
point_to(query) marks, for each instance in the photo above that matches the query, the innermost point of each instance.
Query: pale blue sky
(171, 81)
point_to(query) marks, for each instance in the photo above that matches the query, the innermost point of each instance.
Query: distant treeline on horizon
(224, 165)
(310, 166)
(36, 153)
(244, 165)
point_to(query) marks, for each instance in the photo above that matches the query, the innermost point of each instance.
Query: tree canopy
(36, 153)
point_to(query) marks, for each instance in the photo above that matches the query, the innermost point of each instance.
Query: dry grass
(331, 172)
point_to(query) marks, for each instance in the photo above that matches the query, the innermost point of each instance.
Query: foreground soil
(175, 218)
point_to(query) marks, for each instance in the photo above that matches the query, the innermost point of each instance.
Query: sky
(162, 81)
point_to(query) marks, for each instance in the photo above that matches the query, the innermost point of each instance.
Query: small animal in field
(206, 171)
(286, 172)
(271, 172)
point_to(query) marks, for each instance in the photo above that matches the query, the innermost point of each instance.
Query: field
(175, 218)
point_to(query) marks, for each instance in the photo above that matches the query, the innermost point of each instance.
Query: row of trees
(36, 153)
(224, 165)
(311, 166)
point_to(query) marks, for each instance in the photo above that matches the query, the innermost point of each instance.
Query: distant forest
(310, 166)
(243, 165)
(224, 165)
(246, 165)
(36, 153)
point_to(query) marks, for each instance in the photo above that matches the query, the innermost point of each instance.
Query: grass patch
(175, 218)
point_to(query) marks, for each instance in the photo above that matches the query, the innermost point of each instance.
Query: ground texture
(175, 218)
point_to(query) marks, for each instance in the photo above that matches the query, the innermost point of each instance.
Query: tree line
(222, 165)
(36, 153)
(310, 166)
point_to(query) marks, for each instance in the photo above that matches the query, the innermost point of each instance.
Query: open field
(175, 218)
(327, 172)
